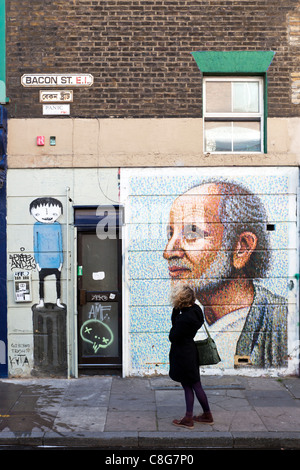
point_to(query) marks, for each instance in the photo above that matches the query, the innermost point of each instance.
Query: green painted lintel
(233, 62)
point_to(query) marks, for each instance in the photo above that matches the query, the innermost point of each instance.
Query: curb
(156, 440)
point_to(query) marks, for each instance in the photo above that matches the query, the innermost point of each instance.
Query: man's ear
(244, 248)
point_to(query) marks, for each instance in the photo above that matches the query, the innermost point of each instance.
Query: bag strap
(207, 332)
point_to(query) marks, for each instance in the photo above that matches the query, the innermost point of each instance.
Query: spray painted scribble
(22, 260)
(96, 333)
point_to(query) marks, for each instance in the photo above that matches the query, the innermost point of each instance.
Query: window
(233, 114)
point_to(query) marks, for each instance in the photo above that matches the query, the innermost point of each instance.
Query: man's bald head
(240, 211)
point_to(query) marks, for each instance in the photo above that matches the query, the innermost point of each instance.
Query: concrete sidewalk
(109, 412)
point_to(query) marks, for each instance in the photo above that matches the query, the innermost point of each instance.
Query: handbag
(207, 350)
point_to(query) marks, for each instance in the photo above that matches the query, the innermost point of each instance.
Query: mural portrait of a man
(218, 242)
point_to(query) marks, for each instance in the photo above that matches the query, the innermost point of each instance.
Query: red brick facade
(139, 52)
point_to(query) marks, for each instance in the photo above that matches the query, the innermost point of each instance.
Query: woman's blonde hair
(182, 296)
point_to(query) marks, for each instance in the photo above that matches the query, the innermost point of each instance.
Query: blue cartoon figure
(47, 241)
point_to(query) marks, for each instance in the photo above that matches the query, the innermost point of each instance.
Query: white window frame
(235, 116)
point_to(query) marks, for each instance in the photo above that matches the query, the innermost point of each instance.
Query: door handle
(82, 297)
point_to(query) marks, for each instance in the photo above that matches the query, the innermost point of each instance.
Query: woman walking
(187, 318)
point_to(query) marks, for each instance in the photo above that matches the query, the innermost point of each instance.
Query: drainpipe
(69, 323)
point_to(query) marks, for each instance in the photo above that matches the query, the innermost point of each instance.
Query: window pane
(232, 137)
(246, 137)
(245, 97)
(218, 137)
(218, 97)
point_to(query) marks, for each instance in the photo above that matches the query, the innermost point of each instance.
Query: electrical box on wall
(40, 140)
(22, 286)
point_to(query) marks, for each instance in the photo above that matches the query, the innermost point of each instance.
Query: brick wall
(139, 51)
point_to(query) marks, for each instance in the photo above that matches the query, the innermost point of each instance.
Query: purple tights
(190, 391)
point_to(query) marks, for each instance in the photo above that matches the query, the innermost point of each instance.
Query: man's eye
(193, 232)
(169, 233)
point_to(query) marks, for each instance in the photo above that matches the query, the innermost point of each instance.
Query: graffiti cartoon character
(47, 240)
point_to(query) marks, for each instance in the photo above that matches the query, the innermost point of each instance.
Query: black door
(99, 301)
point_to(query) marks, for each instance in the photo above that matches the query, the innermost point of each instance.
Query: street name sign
(58, 96)
(53, 80)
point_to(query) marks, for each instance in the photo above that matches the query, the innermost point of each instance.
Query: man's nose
(173, 247)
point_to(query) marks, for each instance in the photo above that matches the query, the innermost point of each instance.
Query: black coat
(184, 365)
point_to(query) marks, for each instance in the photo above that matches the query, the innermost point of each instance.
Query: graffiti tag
(100, 297)
(96, 333)
(19, 355)
(22, 261)
(99, 312)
